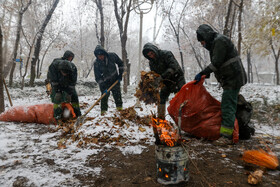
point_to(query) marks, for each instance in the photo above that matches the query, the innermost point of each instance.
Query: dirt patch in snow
(209, 166)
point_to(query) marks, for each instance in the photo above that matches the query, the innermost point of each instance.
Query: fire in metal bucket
(171, 157)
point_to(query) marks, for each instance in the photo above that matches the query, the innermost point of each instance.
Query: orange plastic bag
(41, 113)
(201, 115)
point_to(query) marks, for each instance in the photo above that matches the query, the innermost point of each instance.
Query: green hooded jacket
(164, 64)
(106, 71)
(225, 62)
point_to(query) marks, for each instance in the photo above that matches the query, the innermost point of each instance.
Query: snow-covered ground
(29, 151)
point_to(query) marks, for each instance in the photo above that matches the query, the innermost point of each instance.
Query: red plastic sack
(201, 115)
(41, 113)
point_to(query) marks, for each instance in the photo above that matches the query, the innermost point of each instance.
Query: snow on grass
(31, 151)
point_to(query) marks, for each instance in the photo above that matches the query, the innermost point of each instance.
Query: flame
(167, 133)
(159, 169)
(166, 176)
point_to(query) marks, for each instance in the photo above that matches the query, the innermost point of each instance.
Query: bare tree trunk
(249, 67)
(226, 30)
(2, 104)
(155, 30)
(100, 8)
(31, 50)
(276, 56)
(232, 22)
(177, 31)
(196, 55)
(6, 39)
(96, 28)
(239, 28)
(257, 73)
(123, 25)
(39, 71)
(19, 27)
(37, 50)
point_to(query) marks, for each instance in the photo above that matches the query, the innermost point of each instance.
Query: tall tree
(31, 50)
(263, 32)
(240, 27)
(2, 104)
(249, 67)
(226, 30)
(35, 58)
(100, 9)
(156, 28)
(122, 15)
(176, 29)
(12, 63)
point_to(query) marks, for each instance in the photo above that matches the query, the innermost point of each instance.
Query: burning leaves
(167, 134)
(148, 88)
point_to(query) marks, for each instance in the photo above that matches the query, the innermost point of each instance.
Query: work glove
(158, 80)
(197, 78)
(48, 88)
(105, 92)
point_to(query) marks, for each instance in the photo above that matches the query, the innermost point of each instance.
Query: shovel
(81, 119)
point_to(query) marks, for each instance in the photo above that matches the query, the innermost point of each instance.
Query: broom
(262, 158)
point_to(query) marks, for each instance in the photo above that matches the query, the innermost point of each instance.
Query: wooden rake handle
(6, 88)
(103, 95)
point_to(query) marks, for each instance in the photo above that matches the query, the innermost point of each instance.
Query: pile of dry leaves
(148, 88)
(121, 120)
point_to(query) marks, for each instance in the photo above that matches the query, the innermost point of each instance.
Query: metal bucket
(172, 164)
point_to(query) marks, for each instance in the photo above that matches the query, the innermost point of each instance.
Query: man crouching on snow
(62, 75)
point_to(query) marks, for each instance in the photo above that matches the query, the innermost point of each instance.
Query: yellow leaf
(142, 129)
(273, 31)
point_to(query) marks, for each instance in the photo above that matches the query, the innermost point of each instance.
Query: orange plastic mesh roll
(261, 158)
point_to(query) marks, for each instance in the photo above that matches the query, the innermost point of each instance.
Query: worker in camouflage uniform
(171, 74)
(62, 75)
(229, 71)
(106, 73)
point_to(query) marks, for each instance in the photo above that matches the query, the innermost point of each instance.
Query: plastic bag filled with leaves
(149, 87)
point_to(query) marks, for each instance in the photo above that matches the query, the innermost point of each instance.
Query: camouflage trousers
(65, 95)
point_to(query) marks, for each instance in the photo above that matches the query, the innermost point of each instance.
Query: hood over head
(207, 34)
(99, 50)
(68, 54)
(150, 47)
